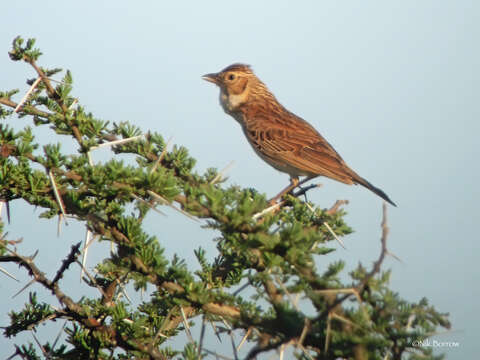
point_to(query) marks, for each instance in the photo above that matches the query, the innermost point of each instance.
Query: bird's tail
(374, 189)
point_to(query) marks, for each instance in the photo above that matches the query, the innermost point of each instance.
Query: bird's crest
(238, 67)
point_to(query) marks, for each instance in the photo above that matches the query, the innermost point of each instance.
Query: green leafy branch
(273, 252)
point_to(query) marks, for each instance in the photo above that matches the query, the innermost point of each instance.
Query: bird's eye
(231, 77)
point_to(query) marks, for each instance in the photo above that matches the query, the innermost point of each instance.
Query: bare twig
(376, 268)
(71, 258)
(383, 253)
(39, 276)
(336, 206)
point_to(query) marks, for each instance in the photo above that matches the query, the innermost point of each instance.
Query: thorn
(216, 331)
(22, 289)
(148, 204)
(74, 102)
(284, 288)
(410, 320)
(202, 335)
(162, 200)
(8, 212)
(187, 327)
(92, 279)
(282, 351)
(25, 97)
(8, 274)
(267, 210)
(305, 351)
(117, 142)
(161, 156)
(7, 206)
(124, 292)
(59, 225)
(247, 334)
(88, 240)
(306, 327)
(57, 195)
(394, 256)
(230, 332)
(164, 324)
(89, 156)
(334, 235)
(56, 340)
(328, 227)
(39, 345)
(221, 173)
(217, 356)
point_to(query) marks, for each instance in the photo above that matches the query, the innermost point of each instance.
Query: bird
(282, 139)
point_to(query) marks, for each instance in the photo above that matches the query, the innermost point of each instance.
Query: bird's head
(236, 83)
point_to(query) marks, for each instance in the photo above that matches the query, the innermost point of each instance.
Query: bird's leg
(293, 184)
(303, 191)
(308, 178)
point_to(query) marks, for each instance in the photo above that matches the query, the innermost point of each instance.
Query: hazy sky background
(393, 86)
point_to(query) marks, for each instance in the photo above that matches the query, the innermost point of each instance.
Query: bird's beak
(213, 77)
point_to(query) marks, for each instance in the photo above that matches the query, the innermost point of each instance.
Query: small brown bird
(282, 139)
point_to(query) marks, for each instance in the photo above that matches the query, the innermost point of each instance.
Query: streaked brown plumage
(282, 139)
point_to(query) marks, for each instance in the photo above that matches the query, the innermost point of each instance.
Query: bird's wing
(296, 142)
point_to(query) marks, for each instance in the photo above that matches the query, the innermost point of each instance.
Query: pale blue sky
(393, 86)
